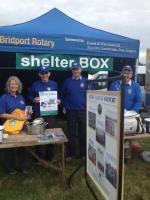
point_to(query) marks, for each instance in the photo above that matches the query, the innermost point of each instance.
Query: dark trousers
(76, 120)
(15, 159)
(46, 151)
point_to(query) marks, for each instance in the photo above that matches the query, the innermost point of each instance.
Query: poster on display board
(103, 141)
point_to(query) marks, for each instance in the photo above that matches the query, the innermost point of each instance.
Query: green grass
(45, 184)
(137, 176)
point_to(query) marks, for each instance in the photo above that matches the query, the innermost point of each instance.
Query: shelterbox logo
(62, 62)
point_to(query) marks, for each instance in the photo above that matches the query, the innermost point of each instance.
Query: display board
(147, 79)
(103, 141)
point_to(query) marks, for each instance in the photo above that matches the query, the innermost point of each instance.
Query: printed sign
(62, 62)
(48, 103)
(26, 41)
(103, 140)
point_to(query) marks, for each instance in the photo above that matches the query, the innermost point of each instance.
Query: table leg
(42, 161)
(63, 163)
(60, 168)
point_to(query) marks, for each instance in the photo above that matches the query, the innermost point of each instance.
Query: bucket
(147, 122)
(35, 129)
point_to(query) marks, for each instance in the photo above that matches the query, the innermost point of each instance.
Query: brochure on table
(103, 136)
(48, 103)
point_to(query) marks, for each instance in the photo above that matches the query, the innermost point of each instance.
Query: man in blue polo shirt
(44, 84)
(132, 97)
(73, 96)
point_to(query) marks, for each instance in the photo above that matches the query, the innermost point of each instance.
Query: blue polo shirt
(133, 95)
(73, 94)
(9, 103)
(40, 86)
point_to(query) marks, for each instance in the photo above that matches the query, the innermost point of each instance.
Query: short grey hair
(15, 78)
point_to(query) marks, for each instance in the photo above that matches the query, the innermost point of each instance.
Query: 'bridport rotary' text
(26, 41)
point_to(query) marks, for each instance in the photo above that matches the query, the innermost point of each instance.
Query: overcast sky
(129, 18)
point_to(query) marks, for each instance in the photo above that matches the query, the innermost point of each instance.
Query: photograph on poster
(111, 173)
(92, 154)
(100, 160)
(100, 136)
(46, 104)
(92, 120)
(100, 166)
(110, 126)
(43, 104)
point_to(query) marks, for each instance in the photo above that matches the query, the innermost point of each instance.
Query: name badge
(82, 85)
(48, 88)
(22, 102)
(129, 91)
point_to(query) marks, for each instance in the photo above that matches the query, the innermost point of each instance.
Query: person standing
(132, 97)
(10, 101)
(73, 99)
(44, 84)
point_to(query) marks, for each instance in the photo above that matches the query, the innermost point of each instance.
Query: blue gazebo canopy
(55, 32)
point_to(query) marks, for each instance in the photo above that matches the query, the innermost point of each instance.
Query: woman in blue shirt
(10, 101)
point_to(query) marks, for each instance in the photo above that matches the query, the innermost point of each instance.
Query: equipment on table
(133, 123)
(37, 126)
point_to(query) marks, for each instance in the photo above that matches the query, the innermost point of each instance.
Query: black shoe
(13, 172)
(48, 158)
(25, 171)
(83, 158)
(68, 159)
